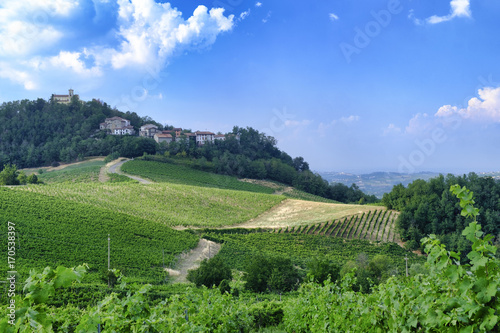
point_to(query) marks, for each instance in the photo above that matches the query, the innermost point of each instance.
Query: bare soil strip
(204, 250)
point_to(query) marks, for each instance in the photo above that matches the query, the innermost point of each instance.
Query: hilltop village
(121, 126)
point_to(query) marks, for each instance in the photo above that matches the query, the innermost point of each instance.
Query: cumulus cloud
(73, 61)
(421, 123)
(258, 4)
(459, 8)
(152, 31)
(145, 35)
(16, 76)
(26, 25)
(485, 108)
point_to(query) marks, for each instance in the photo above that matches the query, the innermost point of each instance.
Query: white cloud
(349, 119)
(421, 123)
(268, 16)
(333, 17)
(485, 108)
(459, 8)
(258, 4)
(323, 128)
(73, 61)
(147, 32)
(27, 25)
(244, 15)
(392, 129)
(152, 31)
(16, 76)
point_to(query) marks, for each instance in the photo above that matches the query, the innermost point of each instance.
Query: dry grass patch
(292, 213)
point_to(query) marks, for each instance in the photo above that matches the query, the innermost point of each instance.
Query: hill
(376, 183)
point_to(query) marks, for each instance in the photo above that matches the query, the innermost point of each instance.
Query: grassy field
(180, 174)
(168, 204)
(76, 173)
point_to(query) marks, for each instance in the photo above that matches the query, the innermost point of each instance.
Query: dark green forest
(38, 133)
(428, 207)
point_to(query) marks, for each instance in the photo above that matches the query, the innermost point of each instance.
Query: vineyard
(77, 173)
(167, 204)
(374, 225)
(180, 174)
(52, 231)
(238, 248)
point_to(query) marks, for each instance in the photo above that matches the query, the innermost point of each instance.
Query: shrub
(211, 272)
(274, 274)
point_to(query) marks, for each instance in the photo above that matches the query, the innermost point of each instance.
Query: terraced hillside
(373, 225)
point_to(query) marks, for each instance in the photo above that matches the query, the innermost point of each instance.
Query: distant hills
(378, 183)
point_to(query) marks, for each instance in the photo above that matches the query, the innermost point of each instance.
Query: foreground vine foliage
(453, 297)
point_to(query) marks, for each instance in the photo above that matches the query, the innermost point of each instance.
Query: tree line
(428, 207)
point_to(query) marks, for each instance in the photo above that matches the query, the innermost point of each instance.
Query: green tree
(9, 175)
(321, 269)
(210, 273)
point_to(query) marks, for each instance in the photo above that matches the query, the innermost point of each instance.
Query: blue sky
(354, 86)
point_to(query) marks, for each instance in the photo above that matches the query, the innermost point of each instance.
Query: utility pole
(406, 259)
(109, 252)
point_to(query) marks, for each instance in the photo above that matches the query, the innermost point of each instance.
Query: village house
(64, 99)
(148, 131)
(204, 137)
(221, 137)
(117, 126)
(163, 137)
(124, 130)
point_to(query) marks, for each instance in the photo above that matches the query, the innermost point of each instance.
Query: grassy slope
(79, 172)
(179, 174)
(53, 231)
(168, 204)
(298, 212)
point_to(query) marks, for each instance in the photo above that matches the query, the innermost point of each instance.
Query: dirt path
(114, 167)
(103, 174)
(204, 250)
